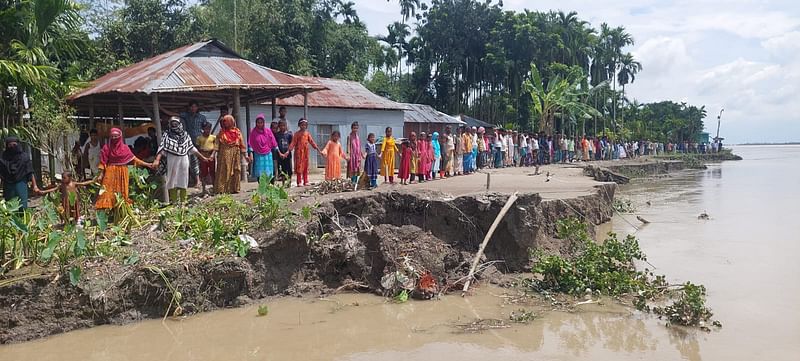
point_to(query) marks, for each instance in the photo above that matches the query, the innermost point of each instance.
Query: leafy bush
(689, 309)
(608, 268)
(271, 202)
(210, 227)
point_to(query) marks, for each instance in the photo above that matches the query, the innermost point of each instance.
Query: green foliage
(263, 310)
(271, 202)
(142, 188)
(210, 227)
(562, 95)
(689, 309)
(609, 269)
(664, 121)
(606, 268)
(31, 238)
(401, 297)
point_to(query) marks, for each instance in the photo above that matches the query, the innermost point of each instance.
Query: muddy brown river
(746, 255)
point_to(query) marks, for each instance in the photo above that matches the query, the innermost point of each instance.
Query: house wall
(324, 119)
(427, 128)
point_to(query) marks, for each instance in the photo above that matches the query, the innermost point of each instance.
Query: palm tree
(348, 12)
(618, 39)
(408, 8)
(396, 38)
(627, 74)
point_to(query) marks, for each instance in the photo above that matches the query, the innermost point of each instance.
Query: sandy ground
(566, 181)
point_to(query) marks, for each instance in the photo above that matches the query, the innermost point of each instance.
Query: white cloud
(783, 45)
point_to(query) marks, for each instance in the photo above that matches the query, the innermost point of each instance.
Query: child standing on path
(70, 199)
(388, 149)
(371, 164)
(405, 162)
(437, 155)
(354, 153)
(300, 142)
(206, 144)
(334, 155)
(414, 164)
(422, 150)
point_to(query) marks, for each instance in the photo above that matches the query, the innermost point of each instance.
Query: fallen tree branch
(486, 239)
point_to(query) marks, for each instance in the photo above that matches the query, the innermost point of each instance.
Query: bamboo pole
(305, 104)
(240, 123)
(486, 239)
(157, 120)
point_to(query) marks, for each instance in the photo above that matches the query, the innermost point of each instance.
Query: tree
(559, 97)
(627, 74)
(144, 28)
(39, 39)
(348, 12)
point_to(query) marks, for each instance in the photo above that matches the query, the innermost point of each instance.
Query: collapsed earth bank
(352, 241)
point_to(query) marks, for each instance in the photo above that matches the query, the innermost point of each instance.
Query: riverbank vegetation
(141, 232)
(609, 268)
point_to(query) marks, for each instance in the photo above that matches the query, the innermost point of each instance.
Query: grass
(36, 236)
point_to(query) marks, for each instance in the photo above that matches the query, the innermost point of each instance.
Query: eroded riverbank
(352, 239)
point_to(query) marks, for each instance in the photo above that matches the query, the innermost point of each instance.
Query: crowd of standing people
(189, 152)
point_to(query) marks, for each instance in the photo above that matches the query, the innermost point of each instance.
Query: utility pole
(719, 120)
(235, 29)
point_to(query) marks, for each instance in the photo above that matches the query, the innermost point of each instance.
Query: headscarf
(262, 141)
(229, 134)
(437, 148)
(116, 152)
(175, 139)
(15, 165)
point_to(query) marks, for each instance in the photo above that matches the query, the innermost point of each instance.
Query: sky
(743, 56)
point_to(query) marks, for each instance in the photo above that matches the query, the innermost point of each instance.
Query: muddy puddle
(746, 255)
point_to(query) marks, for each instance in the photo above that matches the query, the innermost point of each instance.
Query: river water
(746, 255)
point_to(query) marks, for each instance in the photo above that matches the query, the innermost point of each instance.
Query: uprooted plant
(609, 268)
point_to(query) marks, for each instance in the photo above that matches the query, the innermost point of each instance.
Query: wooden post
(305, 104)
(247, 118)
(274, 108)
(157, 121)
(121, 117)
(488, 180)
(240, 123)
(486, 239)
(91, 113)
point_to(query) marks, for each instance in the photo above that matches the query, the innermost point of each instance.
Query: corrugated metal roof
(207, 65)
(421, 113)
(342, 94)
(472, 122)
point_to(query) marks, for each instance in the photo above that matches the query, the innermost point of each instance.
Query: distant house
(472, 122)
(424, 118)
(337, 108)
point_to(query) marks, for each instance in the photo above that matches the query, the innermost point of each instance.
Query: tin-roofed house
(424, 118)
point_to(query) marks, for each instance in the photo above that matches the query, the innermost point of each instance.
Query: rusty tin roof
(342, 94)
(207, 66)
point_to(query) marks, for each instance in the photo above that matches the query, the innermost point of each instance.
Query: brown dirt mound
(355, 239)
